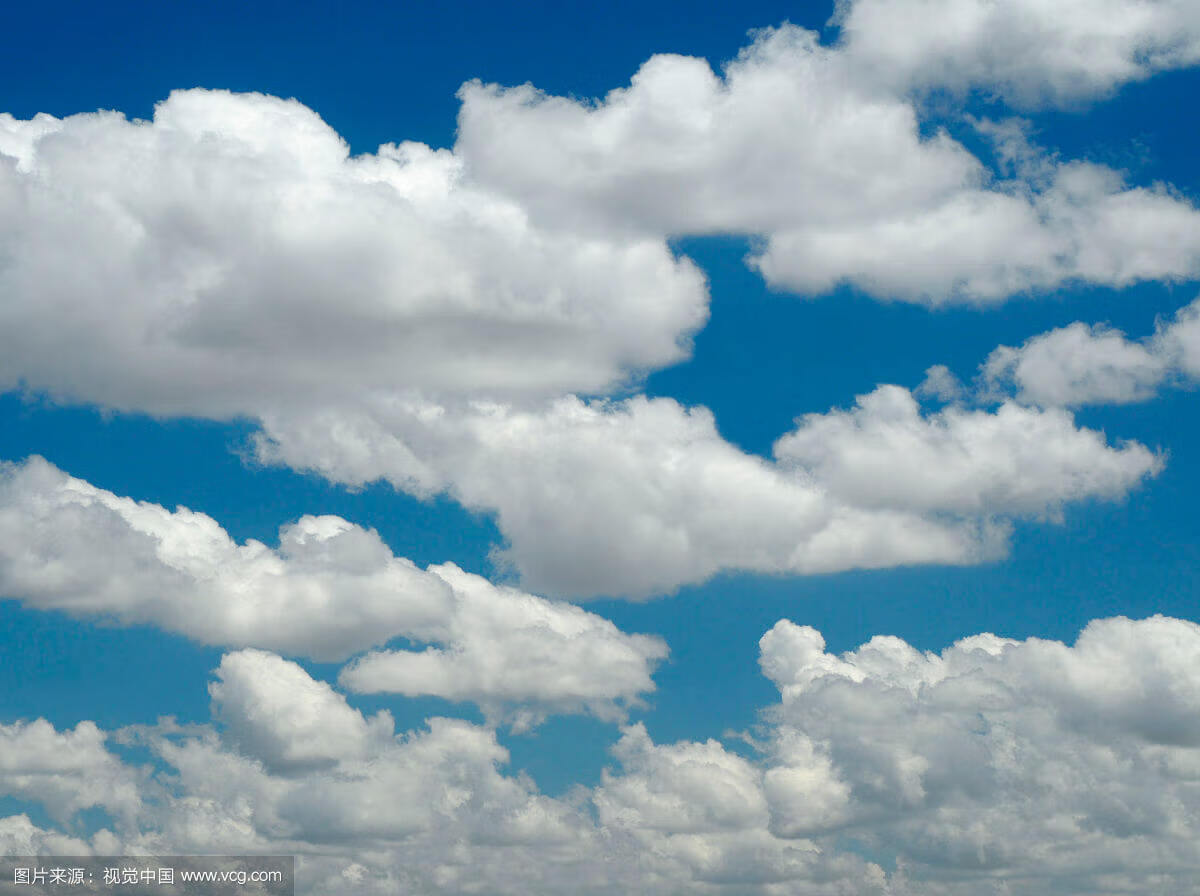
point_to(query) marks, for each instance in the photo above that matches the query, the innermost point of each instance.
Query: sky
(521, 448)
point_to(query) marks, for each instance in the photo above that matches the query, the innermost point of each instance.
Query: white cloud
(1179, 341)
(941, 384)
(983, 245)
(1030, 52)
(518, 657)
(795, 146)
(1068, 768)
(66, 771)
(1081, 364)
(1015, 461)
(274, 711)
(259, 265)
(638, 497)
(21, 837)
(786, 135)
(685, 788)
(998, 766)
(1077, 365)
(262, 269)
(331, 589)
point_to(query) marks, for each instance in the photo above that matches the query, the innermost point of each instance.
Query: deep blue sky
(388, 73)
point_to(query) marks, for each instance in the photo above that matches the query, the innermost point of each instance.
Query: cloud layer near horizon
(998, 766)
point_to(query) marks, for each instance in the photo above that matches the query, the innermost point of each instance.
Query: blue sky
(663, 353)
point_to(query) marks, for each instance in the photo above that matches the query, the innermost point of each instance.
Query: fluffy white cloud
(21, 837)
(1077, 365)
(259, 264)
(1179, 341)
(631, 498)
(997, 766)
(274, 711)
(1028, 51)
(330, 590)
(637, 497)
(786, 135)
(884, 452)
(517, 656)
(982, 245)
(685, 788)
(430, 811)
(796, 147)
(1081, 364)
(1066, 768)
(66, 771)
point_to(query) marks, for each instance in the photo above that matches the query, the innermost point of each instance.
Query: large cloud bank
(996, 767)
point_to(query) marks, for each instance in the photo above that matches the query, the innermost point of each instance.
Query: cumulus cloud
(19, 836)
(331, 589)
(983, 245)
(517, 656)
(1030, 52)
(65, 772)
(1084, 364)
(783, 136)
(1179, 342)
(273, 710)
(829, 171)
(684, 788)
(637, 497)
(432, 811)
(884, 452)
(258, 264)
(631, 498)
(997, 766)
(1072, 768)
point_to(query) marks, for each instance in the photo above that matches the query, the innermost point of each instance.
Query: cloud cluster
(66, 771)
(829, 171)
(330, 590)
(640, 496)
(1074, 769)
(997, 767)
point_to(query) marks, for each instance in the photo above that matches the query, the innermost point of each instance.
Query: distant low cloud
(1070, 768)
(996, 766)
(67, 771)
